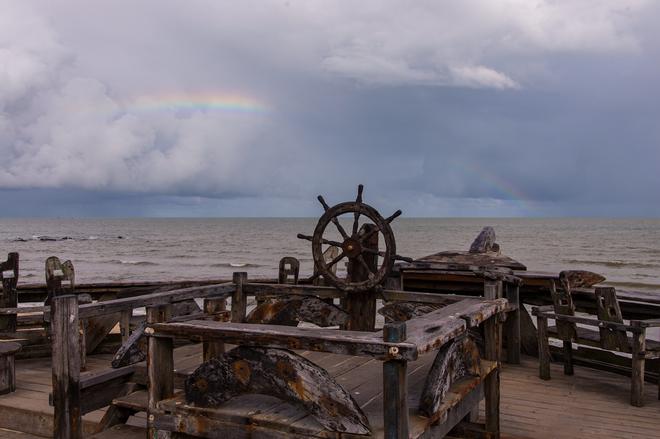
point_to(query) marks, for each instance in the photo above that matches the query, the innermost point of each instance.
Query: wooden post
(160, 365)
(213, 349)
(395, 387)
(125, 325)
(361, 307)
(239, 298)
(66, 367)
(513, 339)
(567, 351)
(638, 360)
(544, 348)
(492, 344)
(8, 297)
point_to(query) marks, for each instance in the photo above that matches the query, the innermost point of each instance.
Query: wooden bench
(7, 367)
(612, 334)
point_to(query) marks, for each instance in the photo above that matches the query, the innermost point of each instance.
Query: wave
(642, 285)
(119, 261)
(234, 265)
(612, 264)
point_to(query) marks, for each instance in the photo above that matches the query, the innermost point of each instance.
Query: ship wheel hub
(352, 247)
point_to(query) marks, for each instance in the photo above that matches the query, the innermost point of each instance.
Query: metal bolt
(394, 350)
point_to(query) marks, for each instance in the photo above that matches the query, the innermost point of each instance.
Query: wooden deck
(590, 404)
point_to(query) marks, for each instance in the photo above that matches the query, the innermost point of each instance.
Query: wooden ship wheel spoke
(356, 247)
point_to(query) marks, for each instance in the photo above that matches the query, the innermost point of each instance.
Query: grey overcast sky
(252, 108)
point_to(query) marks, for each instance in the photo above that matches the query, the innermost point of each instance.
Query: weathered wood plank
(339, 342)
(155, 299)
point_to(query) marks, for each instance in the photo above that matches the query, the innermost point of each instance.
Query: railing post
(239, 298)
(160, 365)
(8, 297)
(513, 339)
(492, 351)
(395, 387)
(213, 349)
(638, 360)
(66, 367)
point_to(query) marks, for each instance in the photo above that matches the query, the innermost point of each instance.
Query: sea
(625, 251)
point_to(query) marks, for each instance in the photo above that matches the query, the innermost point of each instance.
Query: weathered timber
(581, 278)
(563, 304)
(529, 344)
(395, 387)
(322, 340)
(485, 242)
(289, 266)
(435, 329)
(354, 246)
(608, 309)
(160, 364)
(638, 360)
(493, 342)
(155, 299)
(133, 350)
(239, 298)
(115, 414)
(8, 351)
(279, 373)
(9, 296)
(361, 307)
(454, 361)
(214, 308)
(403, 311)
(60, 278)
(512, 326)
(66, 367)
(291, 309)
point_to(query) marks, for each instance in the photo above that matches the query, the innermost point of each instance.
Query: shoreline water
(145, 249)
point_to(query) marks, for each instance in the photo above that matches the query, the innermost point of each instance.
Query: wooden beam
(66, 367)
(395, 387)
(239, 298)
(160, 365)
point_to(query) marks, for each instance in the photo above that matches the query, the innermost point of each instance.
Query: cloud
(469, 99)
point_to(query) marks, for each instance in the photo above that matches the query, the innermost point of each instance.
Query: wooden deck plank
(589, 404)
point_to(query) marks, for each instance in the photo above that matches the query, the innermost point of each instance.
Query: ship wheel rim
(384, 229)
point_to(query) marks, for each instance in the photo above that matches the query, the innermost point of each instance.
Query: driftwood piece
(608, 309)
(404, 311)
(485, 242)
(289, 266)
(455, 360)
(279, 373)
(8, 296)
(290, 310)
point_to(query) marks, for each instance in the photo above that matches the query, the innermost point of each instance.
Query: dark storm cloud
(445, 108)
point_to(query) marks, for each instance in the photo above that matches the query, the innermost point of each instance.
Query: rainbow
(230, 102)
(505, 188)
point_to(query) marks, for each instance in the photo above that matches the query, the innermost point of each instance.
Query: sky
(253, 108)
